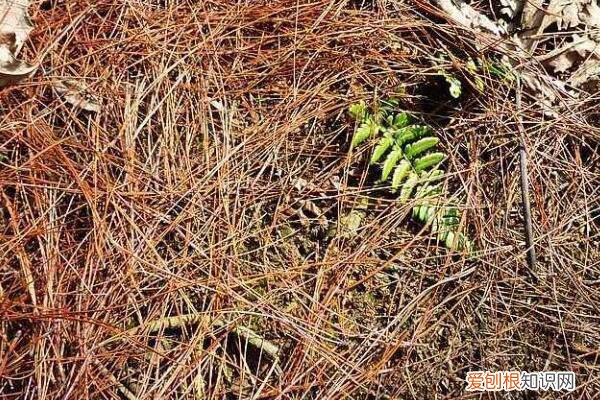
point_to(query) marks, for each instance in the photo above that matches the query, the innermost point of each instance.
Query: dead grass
(179, 198)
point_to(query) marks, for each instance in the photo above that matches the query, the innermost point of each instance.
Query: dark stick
(531, 258)
(527, 210)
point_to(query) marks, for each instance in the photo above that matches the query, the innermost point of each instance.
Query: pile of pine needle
(176, 185)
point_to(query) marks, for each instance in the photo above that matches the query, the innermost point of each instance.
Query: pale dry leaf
(14, 20)
(565, 13)
(570, 16)
(509, 7)
(218, 105)
(591, 15)
(532, 15)
(15, 27)
(563, 58)
(588, 72)
(552, 14)
(463, 14)
(568, 13)
(537, 16)
(546, 85)
(78, 95)
(535, 19)
(531, 18)
(300, 184)
(582, 53)
(468, 17)
(11, 69)
(564, 62)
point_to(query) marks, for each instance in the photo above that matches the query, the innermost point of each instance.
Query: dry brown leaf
(532, 14)
(464, 14)
(565, 61)
(510, 7)
(15, 27)
(78, 95)
(593, 12)
(565, 13)
(587, 72)
(570, 16)
(14, 20)
(591, 16)
(581, 53)
(563, 58)
(548, 87)
(11, 69)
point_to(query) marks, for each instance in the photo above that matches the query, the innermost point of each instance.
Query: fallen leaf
(532, 15)
(564, 61)
(588, 72)
(570, 16)
(549, 89)
(509, 7)
(218, 105)
(15, 27)
(563, 58)
(15, 21)
(350, 223)
(565, 13)
(300, 184)
(592, 14)
(462, 13)
(78, 95)
(11, 69)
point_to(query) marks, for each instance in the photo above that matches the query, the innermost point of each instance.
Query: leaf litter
(15, 27)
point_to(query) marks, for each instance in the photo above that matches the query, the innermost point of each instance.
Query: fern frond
(387, 107)
(416, 172)
(408, 187)
(365, 131)
(400, 174)
(411, 133)
(401, 120)
(384, 144)
(449, 242)
(390, 162)
(420, 146)
(358, 110)
(429, 160)
(431, 176)
(426, 213)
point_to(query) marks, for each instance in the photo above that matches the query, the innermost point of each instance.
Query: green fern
(367, 129)
(358, 110)
(473, 72)
(406, 154)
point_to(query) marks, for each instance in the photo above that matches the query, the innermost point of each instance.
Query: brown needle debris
(179, 198)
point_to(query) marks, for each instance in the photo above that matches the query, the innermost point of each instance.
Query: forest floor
(207, 233)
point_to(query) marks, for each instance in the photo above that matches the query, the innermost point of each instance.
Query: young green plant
(405, 151)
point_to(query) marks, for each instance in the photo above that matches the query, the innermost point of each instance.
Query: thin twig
(531, 256)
